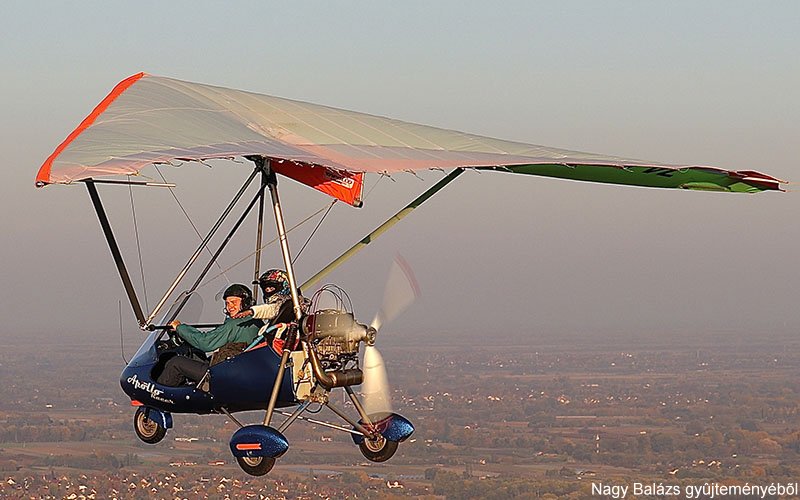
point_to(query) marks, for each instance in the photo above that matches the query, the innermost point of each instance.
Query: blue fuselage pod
(241, 383)
(258, 441)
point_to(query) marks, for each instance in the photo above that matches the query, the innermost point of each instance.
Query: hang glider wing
(149, 119)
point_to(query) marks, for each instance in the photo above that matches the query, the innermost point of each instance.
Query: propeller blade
(401, 290)
(375, 388)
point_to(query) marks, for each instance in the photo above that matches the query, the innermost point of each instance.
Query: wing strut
(366, 240)
(112, 245)
(272, 183)
(259, 233)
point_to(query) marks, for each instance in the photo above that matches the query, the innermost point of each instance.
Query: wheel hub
(148, 427)
(252, 461)
(375, 444)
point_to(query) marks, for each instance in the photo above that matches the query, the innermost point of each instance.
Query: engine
(335, 336)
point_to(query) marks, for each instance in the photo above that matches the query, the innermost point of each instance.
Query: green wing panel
(696, 178)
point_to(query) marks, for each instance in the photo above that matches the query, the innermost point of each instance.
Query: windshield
(146, 353)
(187, 307)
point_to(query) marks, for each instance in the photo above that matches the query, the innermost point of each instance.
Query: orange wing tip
(43, 177)
(767, 184)
(750, 174)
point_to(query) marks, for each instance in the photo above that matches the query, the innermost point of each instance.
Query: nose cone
(138, 384)
(135, 382)
(137, 372)
(124, 381)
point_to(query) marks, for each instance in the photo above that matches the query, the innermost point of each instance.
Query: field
(524, 419)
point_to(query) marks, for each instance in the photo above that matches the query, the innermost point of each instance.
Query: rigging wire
(265, 245)
(381, 175)
(188, 218)
(314, 231)
(138, 246)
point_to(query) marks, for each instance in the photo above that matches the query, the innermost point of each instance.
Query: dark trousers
(180, 368)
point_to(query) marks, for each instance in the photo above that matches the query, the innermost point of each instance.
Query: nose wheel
(256, 466)
(149, 431)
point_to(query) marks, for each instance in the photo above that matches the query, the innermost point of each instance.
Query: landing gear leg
(375, 447)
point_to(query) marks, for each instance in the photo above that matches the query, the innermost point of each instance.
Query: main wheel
(256, 466)
(379, 449)
(147, 430)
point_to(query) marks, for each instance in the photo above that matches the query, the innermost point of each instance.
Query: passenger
(241, 332)
(277, 306)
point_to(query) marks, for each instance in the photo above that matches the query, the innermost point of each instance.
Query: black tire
(378, 450)
(256, 466)
(149, 431)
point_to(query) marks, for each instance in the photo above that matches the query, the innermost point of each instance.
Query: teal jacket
(232, 330)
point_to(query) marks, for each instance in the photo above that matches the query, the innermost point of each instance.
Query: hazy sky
(715, 82)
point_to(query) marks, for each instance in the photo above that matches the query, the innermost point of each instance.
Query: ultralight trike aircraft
(150, 121)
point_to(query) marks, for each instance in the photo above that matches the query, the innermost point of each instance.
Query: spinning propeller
(401, 290)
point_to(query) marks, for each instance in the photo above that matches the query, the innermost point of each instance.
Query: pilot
(241, 331)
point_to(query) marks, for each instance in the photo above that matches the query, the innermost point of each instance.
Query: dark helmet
(241, 291)
(274, 282)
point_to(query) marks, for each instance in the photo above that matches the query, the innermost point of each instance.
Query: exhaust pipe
(338, 378)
